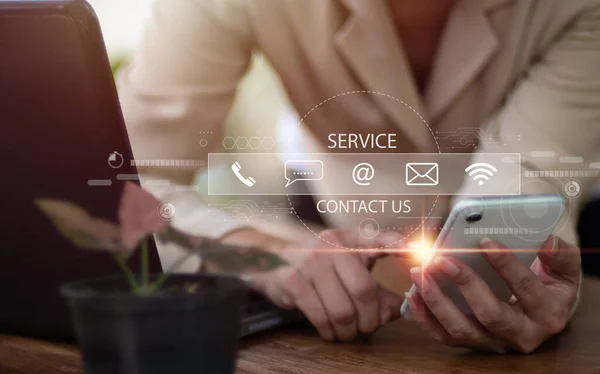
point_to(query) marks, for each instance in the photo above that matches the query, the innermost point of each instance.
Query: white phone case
(522, 223)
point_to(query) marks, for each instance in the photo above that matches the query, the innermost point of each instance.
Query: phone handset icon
(236, 167)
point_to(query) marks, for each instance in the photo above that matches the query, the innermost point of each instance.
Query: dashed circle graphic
(399, 102)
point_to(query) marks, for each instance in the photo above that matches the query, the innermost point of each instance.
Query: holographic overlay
(166, 211)
(309, 170)
(168, 163)
(247, 210)
(243, 143)
(469, 138)
(374, 174)
(362, 174)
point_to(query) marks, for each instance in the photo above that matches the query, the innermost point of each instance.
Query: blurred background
(260, 110)
(261, 106)
(122, 23)
(260, 96)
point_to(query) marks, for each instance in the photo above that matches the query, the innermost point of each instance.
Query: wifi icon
(481, 172)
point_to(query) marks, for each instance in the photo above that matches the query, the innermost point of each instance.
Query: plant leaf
(223, 258)
(138, 214)
(79, 227)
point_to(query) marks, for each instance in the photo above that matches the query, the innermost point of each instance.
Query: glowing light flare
(422, 250)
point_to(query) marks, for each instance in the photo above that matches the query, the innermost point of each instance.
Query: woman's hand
(333, 286)
(543, 297)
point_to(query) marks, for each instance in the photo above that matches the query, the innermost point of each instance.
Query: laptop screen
(63, 137)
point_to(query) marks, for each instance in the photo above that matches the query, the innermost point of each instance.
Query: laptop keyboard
(257, 304)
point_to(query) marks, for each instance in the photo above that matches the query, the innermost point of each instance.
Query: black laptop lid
(61, 126)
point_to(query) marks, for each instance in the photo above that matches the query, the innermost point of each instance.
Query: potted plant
(154, 323)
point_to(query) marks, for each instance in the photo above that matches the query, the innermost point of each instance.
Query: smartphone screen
(521, 223)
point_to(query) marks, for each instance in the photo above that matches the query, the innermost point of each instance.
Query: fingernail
(406, 296)
(286, 300)
(554, 244)
(415, 271)
(411, 302)
(447, 266)
(386, 316)
(419, 278)
(550, 246)
(487, 243)
(491, 247)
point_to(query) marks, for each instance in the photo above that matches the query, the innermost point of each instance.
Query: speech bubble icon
(308, 170)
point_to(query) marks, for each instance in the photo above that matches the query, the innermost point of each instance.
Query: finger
(370, 257)
(561, 260)
(391, 240)
(362, 288)
(264, 284)
(377, 242)
(389, 305)
(335, 299)
(306, 299)
(459, 327)
(369, 249)
(391, 243)
(531, 293)
(497, 317)
(435, 330)
(385, 244)
(351, 239)
(426, 320)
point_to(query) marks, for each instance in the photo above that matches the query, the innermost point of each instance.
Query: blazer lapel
(468, 45)
(369, 43)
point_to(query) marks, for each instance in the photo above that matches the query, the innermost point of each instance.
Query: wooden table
(398, 348)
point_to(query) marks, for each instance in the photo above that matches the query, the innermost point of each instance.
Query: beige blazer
(525, 72)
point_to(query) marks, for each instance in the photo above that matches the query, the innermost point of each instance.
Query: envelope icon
(422, 174)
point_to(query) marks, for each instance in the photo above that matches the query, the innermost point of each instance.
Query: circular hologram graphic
(572, 188)
(115, 160)
(368, 228)
(166, 211)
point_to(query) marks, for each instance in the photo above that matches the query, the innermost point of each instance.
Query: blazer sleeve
(555, 107)
(178, 90)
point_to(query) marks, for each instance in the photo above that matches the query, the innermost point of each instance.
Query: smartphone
(522, 223)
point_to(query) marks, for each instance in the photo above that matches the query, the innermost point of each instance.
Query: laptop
(63, 137)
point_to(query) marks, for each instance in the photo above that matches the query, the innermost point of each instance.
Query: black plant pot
(173, 332)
